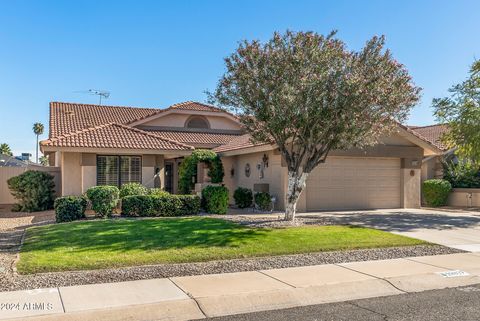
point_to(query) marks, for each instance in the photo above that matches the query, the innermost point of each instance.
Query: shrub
(158, 192)
(129, 189)
(34, 191)
(166, 205)
(264, 201)
(104, 199)
(188, 169)
(435, 192)
(190, 204)
(138, 205)
(70, 208)
(243, 197)
(215, 199)
(464, 174)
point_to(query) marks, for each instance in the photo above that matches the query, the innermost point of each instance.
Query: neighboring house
(15, 161)
(432, 165)
(95, 145)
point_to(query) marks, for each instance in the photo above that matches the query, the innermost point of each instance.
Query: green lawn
(116, 243)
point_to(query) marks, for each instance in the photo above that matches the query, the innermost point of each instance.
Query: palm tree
(44, 160)
(5, 149)
(37, 130)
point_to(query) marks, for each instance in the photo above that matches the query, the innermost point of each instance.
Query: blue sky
(156, 53)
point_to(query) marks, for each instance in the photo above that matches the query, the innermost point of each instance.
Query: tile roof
(432, 133)
(240, 142)
(70, 117)
(114, 135)
(196, 137)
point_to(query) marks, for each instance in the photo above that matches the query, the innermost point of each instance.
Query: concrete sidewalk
(197, 297)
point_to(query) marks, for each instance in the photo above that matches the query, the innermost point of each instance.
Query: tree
(44, 160)
(308, 94)
(5, 149)
(461, 112)
(37, 130)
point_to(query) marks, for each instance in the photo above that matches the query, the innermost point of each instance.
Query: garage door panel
(354, 183)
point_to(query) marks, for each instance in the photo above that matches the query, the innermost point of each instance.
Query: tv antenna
(100, 93)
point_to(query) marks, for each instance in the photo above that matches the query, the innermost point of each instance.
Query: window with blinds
(118, 170)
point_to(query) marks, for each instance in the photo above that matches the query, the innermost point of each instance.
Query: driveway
(456, 229)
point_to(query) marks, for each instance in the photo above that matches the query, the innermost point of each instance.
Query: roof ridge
(433, 125)
(418, 135)
(152, 135)
(96, 105)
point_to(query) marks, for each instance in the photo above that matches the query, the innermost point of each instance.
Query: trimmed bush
(129, 189)
(435, 192)
(158, 192)
(167, 205)
(104, 199)
(190, 205)
(138, 205)
(215, 199)
(263, 201)
(243, 197)
(34, 190)
(70, 208)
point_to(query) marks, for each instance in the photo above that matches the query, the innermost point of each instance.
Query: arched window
(197, 122)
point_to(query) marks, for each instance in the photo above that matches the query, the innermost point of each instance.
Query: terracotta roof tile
(196, 137)
(240, 142)
(114, 135)
(432, 133)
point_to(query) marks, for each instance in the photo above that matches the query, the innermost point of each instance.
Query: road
(457, 304)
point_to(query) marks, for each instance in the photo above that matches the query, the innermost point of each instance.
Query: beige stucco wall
(178, 120)
(410, 196)
(71, 173)
(464, 197)
(273, 174)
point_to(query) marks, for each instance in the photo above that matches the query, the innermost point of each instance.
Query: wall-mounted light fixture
(414, 162)
(265, 160)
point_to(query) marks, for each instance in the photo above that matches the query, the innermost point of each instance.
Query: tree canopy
(461, 112)
(5, 149)
(309, 94)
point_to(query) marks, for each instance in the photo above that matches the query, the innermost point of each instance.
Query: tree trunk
(36, 156)
(296, 184)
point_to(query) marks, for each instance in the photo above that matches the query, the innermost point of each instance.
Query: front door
(169, 177)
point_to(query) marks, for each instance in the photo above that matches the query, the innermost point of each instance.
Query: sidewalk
(197, 297)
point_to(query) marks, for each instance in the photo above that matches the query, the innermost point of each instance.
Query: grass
(117, 243)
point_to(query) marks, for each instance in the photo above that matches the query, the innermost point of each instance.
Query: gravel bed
(22, 282)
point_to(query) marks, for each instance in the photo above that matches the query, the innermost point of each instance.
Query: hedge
(435, 192)
(104, 199)
(215, 199)
(70, 208)
(34, 191)
(243, 197)
(166, 205)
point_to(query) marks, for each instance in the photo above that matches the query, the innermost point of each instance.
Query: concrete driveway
(456, 229)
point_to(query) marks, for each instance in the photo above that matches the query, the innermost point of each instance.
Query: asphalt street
(457, 304)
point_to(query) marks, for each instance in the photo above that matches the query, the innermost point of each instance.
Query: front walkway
(197, 297)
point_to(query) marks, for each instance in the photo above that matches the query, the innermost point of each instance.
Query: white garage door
(354, 183)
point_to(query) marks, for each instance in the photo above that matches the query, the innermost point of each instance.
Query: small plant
(215, 199)
(264, 201)
(138, 205)
(104, 199)
(70, 208)
(129, 189)
(243, 197)
(435, 192)
(158, 192)
(34, 190)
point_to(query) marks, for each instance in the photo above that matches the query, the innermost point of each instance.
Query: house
(432, 165)
(96, 145)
